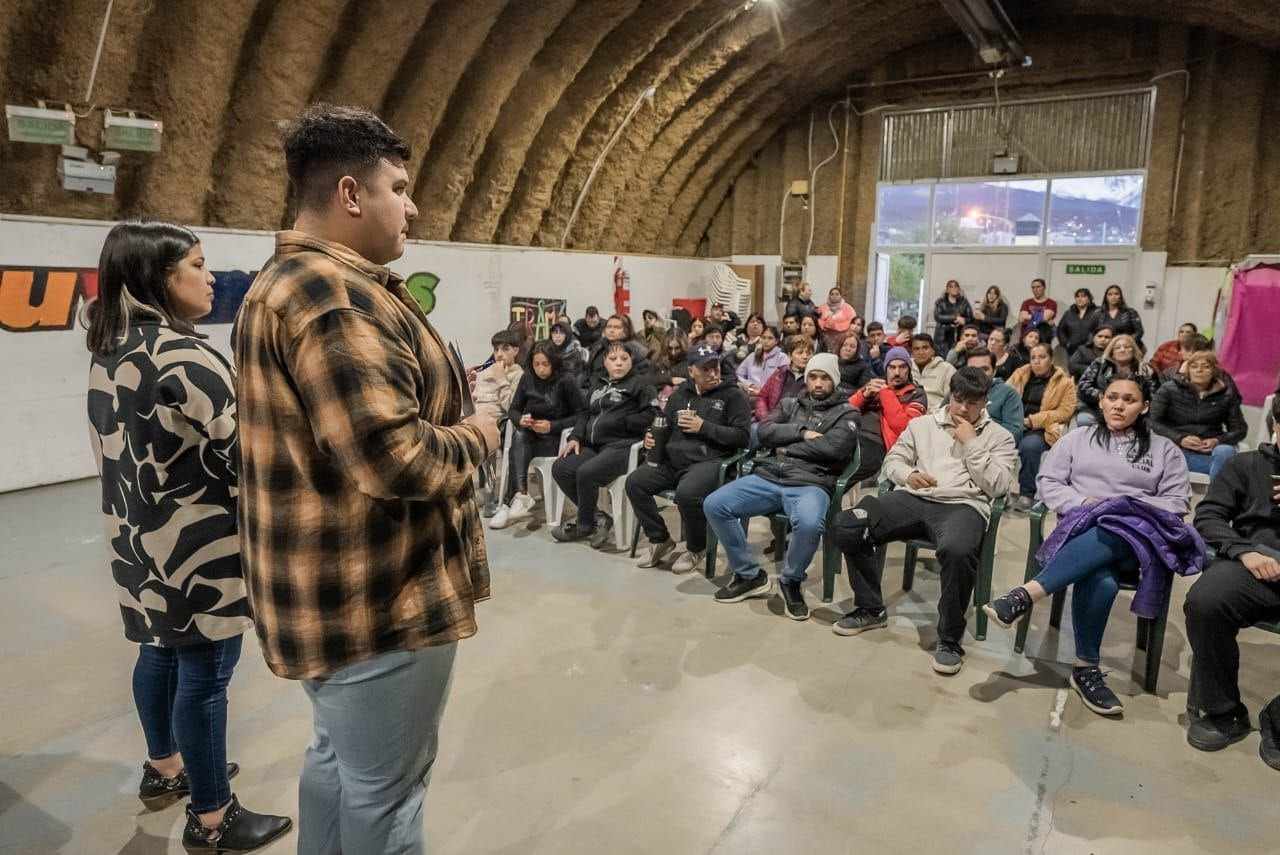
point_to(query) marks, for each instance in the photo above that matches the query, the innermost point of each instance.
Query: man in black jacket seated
(707, 420)
(1240, 519)
(803, 451)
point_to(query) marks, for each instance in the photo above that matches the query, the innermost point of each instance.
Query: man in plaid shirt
(362, 542)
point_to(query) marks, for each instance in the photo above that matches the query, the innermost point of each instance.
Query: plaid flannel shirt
(358, 519)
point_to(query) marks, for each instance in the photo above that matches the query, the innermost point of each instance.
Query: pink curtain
(1250, 350)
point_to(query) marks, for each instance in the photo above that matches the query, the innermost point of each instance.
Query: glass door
(900, 287)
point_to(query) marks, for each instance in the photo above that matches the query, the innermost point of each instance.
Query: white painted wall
(43, 431)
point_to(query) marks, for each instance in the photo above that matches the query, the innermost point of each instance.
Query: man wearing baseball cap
(803, 450)
(705, 421)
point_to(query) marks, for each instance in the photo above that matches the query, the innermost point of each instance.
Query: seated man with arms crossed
(949, 467)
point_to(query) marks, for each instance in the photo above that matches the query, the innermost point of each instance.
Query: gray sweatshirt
(1076, 468)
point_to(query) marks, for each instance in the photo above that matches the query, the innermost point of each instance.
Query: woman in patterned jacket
(162, 419)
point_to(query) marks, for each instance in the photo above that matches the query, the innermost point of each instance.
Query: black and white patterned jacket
(162, 422)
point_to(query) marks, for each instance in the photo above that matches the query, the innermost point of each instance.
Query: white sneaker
(688, 562)
(501, 519)
(521, 507)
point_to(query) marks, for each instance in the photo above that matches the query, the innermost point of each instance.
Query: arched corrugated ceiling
(507, 103)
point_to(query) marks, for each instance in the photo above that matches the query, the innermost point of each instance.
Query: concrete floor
(604, 708)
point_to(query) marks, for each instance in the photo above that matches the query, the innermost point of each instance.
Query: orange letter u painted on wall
(57, 291)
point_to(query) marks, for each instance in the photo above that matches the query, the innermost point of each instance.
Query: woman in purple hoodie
(1120, 457)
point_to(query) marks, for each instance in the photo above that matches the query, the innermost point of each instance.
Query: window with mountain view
(1105, 209)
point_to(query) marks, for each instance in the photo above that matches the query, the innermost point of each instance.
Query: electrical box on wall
(1005, 164)
(789, 278)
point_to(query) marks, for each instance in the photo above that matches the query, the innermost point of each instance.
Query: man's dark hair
(709, 327)
(1273, 415)
(793, 316)
(327, 142)
(1194, 328)
(1041, 281)
(874, 326)
(505, 337)
(926, 338)
(1199, 342)
(980, 352)
(592, 312)
(907, 322)
(970, 385)
(974, 327)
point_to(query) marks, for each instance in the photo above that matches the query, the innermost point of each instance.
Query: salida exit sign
(1086, 269)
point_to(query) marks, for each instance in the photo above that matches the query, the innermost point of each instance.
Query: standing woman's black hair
(628, 329)
(547, 348)
(1106, 303)
(1142, 425)
(133, 279)
(1089, 294)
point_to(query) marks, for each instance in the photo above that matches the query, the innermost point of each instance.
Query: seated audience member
(726, 320)
(1199, 410)
(546, 401)
(949, 467)
(906, 329)
(1086, 355)
(969, 339)
(589, 328)
(876, 347)
(1078, 324)
(1240, 519)
(492, 393)
(1048, 402)
(1110, 484)
(671, 368)
(886, 405)
(697, 329)
(855, 369)
(1169, 356)
(802, 303)
(786, 382)
(761, 363)
(707, 420)
(573, 357)
(834, 319)
(951, 312)
(1007, 359)
(1004, 405)
(616, 330)
(655, 333)
(1037, 312)
(803, 451)
(1117, 315)
(809, 329)
(1030, 339)
(1122, 358)
(713, 337)
(992, 313)
(751, 330)
(930, 371)
(618, 411)
(858, 327)
(1198, 343)
(790, 326)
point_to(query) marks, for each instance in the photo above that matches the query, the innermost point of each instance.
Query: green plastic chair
(986, 563)
(1150, 630)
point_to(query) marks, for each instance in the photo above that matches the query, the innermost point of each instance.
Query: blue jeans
(181, 696)
(754, 496)
(1209, 464)
(1091, 562)
(366, 771)
(1031, 449)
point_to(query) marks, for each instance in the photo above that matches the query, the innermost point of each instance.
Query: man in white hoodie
(930, 371)
(948, 467)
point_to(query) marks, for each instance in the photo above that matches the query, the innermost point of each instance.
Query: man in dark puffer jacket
(1240, 519)
(707, 420)
(805, 448)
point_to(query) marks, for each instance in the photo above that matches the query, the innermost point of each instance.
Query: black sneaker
(158, 792)
(1216, 732)
(860, 620)
(1091, 686)
(1007, 610)
(1269, 724)
(603, 531)
(571, 533)
(948, 657)
(241, 830)
(793, 600)
(744, 589)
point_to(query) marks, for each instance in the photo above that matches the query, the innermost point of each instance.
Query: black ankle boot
(158, 792)
(240, 830)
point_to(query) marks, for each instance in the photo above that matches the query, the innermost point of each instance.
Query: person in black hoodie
(1199, 410)
(707, 420)
(1078, 323)
(804, 449)
(1115, 313)
(546, 401)
(573, 356)
(1240, 520)
(588, 328)
(1087, 354)
(619, 410)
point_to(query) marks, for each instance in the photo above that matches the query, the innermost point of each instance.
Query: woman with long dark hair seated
(1048, 403)
(992, 313)
(1113, 487)
(745, 346)
(162, 416)
(759, 365)
(1199, 409)
(546, 401)
(573, 356)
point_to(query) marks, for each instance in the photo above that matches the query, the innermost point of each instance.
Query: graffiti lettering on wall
(43, 299)
(538, 314)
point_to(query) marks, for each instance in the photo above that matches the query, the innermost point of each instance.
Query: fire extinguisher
(621, 289)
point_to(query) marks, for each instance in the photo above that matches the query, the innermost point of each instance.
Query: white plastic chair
(623, 518)
(1264, 434)
(552, 498)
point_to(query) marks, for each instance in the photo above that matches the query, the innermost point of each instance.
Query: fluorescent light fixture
(41, 124)
(131, 130)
